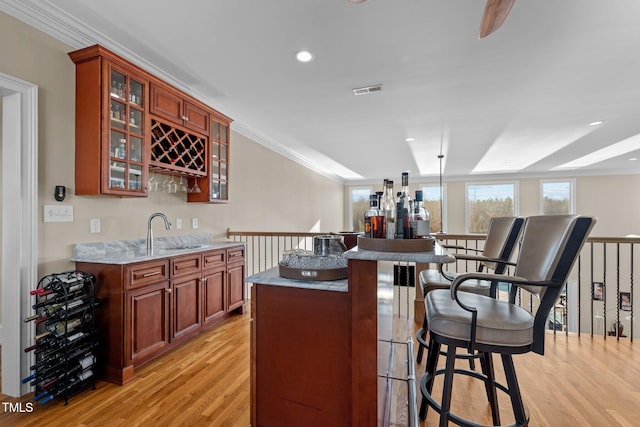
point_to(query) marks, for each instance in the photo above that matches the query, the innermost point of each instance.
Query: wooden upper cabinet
(111, 124)
(170, 105)
(129, 122)
(215, 187)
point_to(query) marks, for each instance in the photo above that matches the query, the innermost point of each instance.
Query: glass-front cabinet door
(214, 188)
(127, 168)
(219, 188)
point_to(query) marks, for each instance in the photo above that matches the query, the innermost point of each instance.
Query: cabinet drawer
(186, 265)
(214, 259)
(235, 255)
(146, 273)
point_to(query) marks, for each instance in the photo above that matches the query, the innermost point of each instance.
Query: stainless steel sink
(183, 247)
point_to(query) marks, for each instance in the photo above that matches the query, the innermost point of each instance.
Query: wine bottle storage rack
(176, 151)
(66, 336)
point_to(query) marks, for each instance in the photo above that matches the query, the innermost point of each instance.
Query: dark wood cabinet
(185, 306)
(147, 322)
(215, 187)
(185, 295)
(129, 122)
(214, 290)
(172, 106)
(150, 307)
(236, 297)
(111, 124)
(236, 287)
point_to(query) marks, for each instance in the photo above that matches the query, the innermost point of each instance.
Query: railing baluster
(264, 250)
(631, 287)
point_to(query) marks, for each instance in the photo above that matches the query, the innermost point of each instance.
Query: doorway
(19, 226)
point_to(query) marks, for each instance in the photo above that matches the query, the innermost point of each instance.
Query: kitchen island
(318, 348)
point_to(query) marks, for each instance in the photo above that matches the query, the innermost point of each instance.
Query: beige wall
(613, 199)
(267, 191)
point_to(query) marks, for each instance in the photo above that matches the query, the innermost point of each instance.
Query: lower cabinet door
(147, 321)
(185, 306)
(214, 294)
(236, 286)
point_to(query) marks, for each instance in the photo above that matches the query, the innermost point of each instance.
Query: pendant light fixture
(440, 157)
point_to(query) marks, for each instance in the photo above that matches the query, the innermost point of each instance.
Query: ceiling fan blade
(495, 13)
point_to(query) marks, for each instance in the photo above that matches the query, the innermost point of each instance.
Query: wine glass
(173, 186)
(153, 183)
(195, 188)
(183, 187)
(165, 185)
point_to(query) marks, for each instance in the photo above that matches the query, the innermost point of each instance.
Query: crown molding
(49, 19)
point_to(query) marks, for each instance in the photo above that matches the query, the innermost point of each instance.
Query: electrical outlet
(179, 224)
(94, 225)
(194, 223)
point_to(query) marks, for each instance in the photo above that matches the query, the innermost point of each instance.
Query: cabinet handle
(155, 273)
(168, 290)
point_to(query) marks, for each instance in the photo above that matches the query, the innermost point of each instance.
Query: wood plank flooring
(580, 381)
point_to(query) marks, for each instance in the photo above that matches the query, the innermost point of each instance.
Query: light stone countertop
(272, 277)
(132, 251)
(438, 255)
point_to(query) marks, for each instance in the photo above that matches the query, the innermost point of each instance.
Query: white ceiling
(517, 102)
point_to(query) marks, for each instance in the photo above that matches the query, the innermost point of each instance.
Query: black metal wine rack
(65, 336)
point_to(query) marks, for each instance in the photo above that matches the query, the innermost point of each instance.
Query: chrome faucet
(167, 225)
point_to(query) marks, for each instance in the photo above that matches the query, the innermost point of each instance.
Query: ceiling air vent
(366, 90)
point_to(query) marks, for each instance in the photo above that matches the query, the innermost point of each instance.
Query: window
(432, 201)
(557, 197)
(359, 203)
(485, 201)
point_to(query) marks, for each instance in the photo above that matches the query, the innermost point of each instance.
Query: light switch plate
(179, 224)
(57, 213)
(194, 223)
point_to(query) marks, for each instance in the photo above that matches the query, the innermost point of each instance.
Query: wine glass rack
(66, 336)
(174, 150)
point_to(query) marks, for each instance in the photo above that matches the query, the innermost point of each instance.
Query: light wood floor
(581, 381)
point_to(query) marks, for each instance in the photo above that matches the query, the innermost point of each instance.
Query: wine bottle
(74, 309)
(54, 310)
(60, 328)
(61, 387)
(63, 299)
(404, 201)
(373, 219)
(49, 341)
(389, 209)
(420, 219)
(55, 359)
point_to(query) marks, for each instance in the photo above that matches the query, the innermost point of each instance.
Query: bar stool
(502, 236)
(550, 246)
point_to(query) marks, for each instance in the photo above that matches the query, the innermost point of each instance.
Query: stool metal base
(451, 416)
(520, 411)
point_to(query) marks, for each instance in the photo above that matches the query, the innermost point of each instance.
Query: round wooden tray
(311, 274)
(396, 245)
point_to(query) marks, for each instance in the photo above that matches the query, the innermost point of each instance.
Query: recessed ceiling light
(304, 56)
(357, 1)
(409, 139)
(596, 123)
(633, 159)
